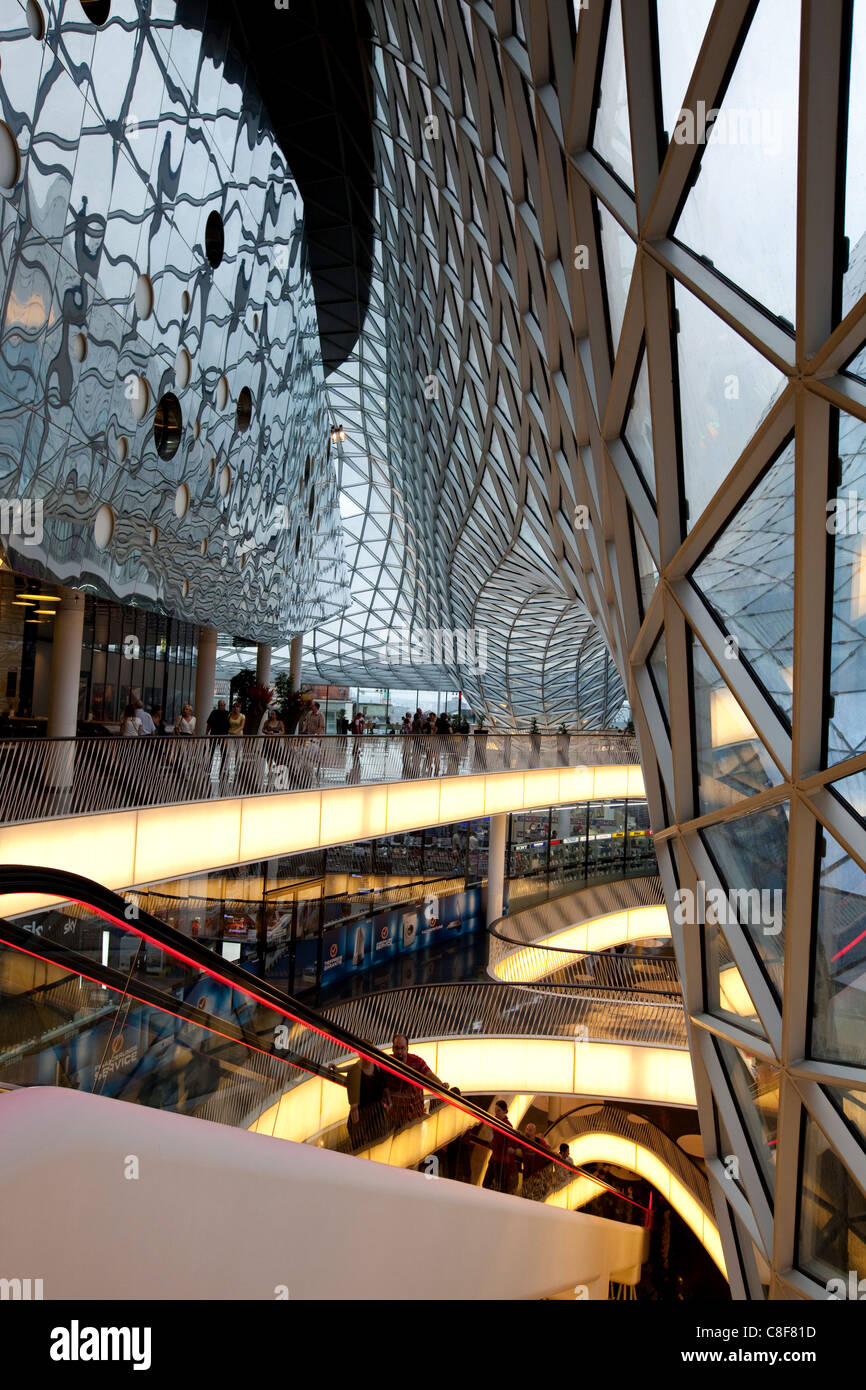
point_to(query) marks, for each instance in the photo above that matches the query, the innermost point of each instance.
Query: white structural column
(66, 665)
(297, 653)
(263, 664)
(205, 675)
(496, 866)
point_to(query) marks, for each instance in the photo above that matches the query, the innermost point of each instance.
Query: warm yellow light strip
(506, 1066)
(600, 1147)
(123, 849)
(596, 934)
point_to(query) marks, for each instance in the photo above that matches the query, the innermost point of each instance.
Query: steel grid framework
(661, 329)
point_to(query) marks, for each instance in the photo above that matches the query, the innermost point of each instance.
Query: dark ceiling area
(311, 63)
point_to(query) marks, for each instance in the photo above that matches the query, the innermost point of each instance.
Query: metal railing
(611, 1120)
(597, 1013)
(523, 947)
(47, 778)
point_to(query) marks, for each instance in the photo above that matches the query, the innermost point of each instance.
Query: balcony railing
(44, 779)
(624, 1007)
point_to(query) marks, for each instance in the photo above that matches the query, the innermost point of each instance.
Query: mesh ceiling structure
(626, 243)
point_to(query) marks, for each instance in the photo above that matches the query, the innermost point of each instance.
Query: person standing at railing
(218, 727)
(146, 720)
(185, 722)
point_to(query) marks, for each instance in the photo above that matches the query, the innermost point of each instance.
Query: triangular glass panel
(611, 138)
(648, 575)
(831, 1230)
(854, 279)
(755, 1087)
(682, 25)
(638, 426)
(852, 1106)
(728, 994)
(839, 999)
(741, 213)
(618, 253)
(747, 577)
(658, 670)
(751, 857)
(726, 389)
(846, 734)
(732, 762)
(852, 791)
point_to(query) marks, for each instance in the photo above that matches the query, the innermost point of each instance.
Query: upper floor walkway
(136, 811)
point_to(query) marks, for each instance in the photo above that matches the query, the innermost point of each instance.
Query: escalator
(97, 996)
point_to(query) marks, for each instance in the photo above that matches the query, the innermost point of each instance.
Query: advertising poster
(384, 937)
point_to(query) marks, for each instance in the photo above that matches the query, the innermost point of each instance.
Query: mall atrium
(433, 650)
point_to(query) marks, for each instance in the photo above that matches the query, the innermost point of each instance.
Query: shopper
(185, 723)
(130, 724)
(404, 1101)
(146, 720)
(538, 1170)
(366, 1084)
(503, 1170)
(218, 720)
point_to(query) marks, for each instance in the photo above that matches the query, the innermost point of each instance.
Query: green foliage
(289, 702)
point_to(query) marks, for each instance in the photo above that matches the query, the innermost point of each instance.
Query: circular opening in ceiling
(184, 588)
(214, 238)
(138, 392)
(103, 527)
(154, 535)
(185, 302)
(307, 471)
(10, 158)
(196, 430)
(181, 501)
(182, 369)
(225, 480)
(204, 546)
(79, 347)
(97, 11)
(221, 395)
(35, 19)
(167, 426)
(245, 408)
(121, 449)
(297, 540)
(211, 468)
(144, 296)
(312, 502)
(255, 323)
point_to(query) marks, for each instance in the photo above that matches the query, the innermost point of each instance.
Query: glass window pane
(726, 389)
(742, 211)
(731, 760)
(618, 253)
(750, 855)
(638, 430)
(846, 734)
(682, 25)
(747, 578)
(855, 184)
(839, 999)
(611, 138)
(755, 1084)
(727, 993)
(832, 1239)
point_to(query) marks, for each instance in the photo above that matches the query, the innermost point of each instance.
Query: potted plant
(563, 742)
(534, 744)
(259, 697)
(480, 742)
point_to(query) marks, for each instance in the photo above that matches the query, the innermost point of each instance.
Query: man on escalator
(503, 1169)
(404, 1102)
